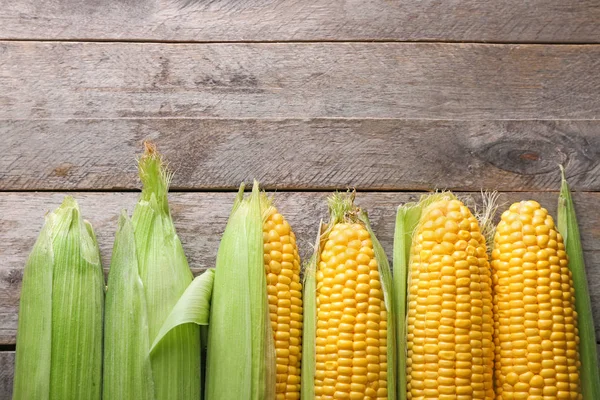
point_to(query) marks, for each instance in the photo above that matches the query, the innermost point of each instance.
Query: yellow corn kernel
(531, 325)
(450, 321)
(282, 265)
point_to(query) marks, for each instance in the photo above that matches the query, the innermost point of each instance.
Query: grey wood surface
(553, 21)
(292, 154)
(200, 219)
(7, 361)
(299, 80)
(304, 95)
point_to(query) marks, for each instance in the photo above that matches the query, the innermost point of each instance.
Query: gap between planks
(419, 41)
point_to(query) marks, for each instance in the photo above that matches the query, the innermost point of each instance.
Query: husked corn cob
(536, 333)
(282, 265)
(351, 318)
(450, 322)
(351, 344)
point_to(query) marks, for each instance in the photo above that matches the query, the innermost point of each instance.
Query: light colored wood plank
(200, 219)
(302, 80)
(303, 154)
(260, 20)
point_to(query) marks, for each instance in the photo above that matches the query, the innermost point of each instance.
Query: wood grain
(302, 80)
(200, 219)
(303, 154)
(280, 20)
(7, 362)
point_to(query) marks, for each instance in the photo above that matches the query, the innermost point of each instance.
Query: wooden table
(390, 97)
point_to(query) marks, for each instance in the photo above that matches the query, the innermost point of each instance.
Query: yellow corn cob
(536, 332)
(351, 335)
(282, 265)
(450, 321)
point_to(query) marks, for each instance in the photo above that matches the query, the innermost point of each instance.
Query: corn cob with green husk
(567, 225)
(59, 337)
(256, 314)
(349, 330)
(152, 341)
(443, 293)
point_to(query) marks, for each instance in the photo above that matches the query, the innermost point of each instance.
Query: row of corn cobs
(452, 323)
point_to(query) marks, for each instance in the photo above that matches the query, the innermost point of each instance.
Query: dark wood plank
(200, 219)
(281, 20)
(302, 80)
(7, 363)
(303, 154)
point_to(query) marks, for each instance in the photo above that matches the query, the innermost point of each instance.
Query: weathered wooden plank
(7, 363)
(280, 20)
(201, 217)
(303, 154)
(301, 80)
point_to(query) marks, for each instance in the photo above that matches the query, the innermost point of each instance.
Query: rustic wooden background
(391, 97)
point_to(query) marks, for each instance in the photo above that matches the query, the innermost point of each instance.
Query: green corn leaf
(240, 339)
(59, 340)
(193, 306)
(309, 325)
(386, 283)
(569, 229)
(406, 222)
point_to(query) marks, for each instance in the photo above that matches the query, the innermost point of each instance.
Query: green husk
(309, 325)
(407, 220)
(127, 368)
(59, 337)
(148, 275)
(569, 229)
(193, 306)
(241, 350)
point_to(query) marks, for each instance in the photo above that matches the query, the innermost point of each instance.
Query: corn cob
(149, 273)
(352, 329)
(256, 312)
(59, 337)
(442, 290)
(449, 330)
(282, 265)
(535, 334)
